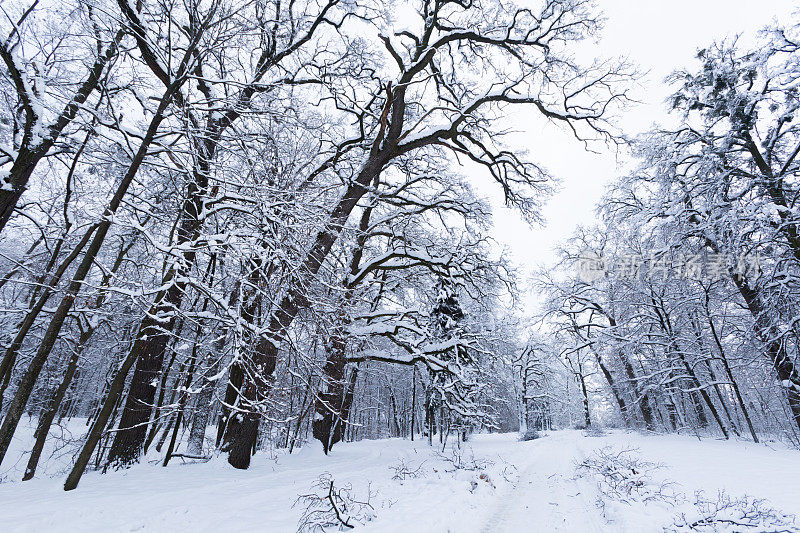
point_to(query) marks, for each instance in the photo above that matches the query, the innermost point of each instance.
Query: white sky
(656, 35)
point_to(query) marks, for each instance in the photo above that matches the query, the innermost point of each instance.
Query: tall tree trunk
(586, 418)
(413, 399)
(157, 327)
(327, 425)
(623, 409)
(786, 369)
(96, 432)
(243, 425)
(46, 418)
(641, 397)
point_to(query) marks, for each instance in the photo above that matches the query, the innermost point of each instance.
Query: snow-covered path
(547, 497)
(540, 492)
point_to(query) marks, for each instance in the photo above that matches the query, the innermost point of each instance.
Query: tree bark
(264, 360)
(728, 371)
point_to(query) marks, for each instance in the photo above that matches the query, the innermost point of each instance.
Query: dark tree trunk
(235, 381)
(332, 407)
(586, 417)
(787, 371)
(728, 371)
(98, 428)
(266, 353)
(240, 438)
(623, 409)
(156, 328)
(242, 428)
(329, 422)
(148, 352)
(641, 397)
(413, 399)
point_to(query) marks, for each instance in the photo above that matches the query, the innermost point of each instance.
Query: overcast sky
(658, 36)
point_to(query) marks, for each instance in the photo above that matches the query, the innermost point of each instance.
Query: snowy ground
(516, 486)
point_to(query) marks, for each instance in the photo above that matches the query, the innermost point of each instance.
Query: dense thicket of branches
(682, 306)
(250, 217)
(231, 226)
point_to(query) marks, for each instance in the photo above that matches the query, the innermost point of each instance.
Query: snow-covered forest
(250, 278)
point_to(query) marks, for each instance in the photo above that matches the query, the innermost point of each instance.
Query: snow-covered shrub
(623, 476)
(330, 507)
(464, 459)
(727, 514)
(530, 434)
(403, 471)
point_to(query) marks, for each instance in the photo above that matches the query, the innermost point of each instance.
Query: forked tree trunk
(264, 360)
(332, 408)
(235, 422)
(327, 424)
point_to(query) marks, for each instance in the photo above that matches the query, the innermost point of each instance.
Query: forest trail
(547, 497)
(532, 487)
